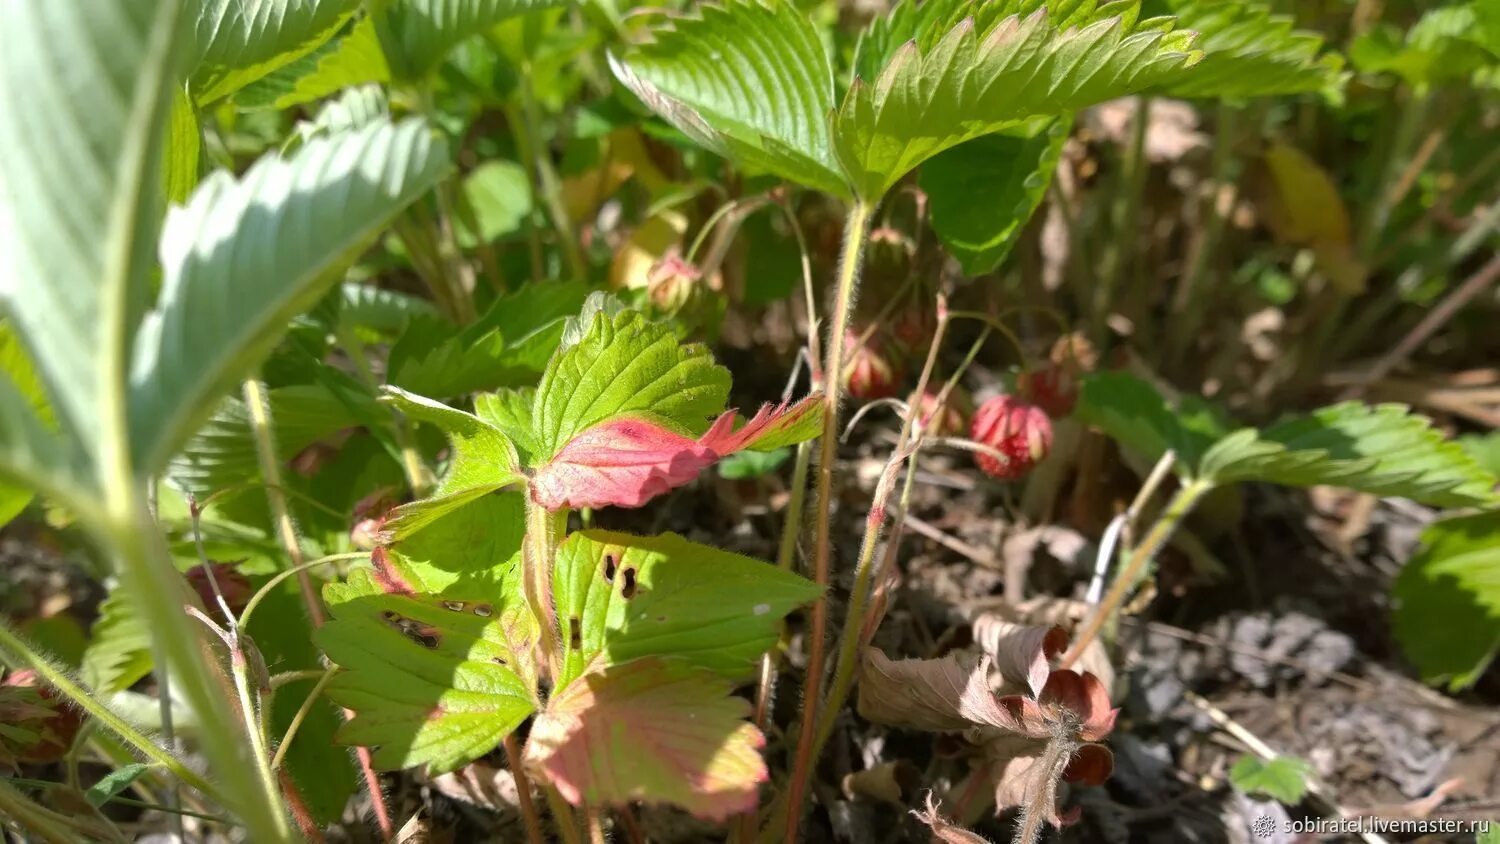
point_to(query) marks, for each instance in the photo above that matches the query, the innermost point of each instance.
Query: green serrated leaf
(246, 254)
(468, 550)
(184, 144)
(1485, 449)
(981, 192)
(500, 194)
(750, 80)
(629, 597)
(114, 782)
(652, 730)
(1133, 413)
(627, 364)
(752, 464)
(240, 41)
(1447, 600)
(509, 346)
(80, 154)
(484, 460)
(1250, 52)
(1381, 449)
(433, 682)
(1283, 778)
(344, 62)
(510, 411)
(988, 73)
(355, 108)
(421, 32)
(119, 651)
(384, 311)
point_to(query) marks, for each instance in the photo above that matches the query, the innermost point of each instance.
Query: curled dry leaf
(1020, 651)
(942, 830)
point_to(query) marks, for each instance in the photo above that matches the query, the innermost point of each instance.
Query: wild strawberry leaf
(653, 730)
(981, 192)
(483, 461)
(351, 59)
(626, 365)
(419, 33)
(1380, 449)
(1446, 44)
(1250, 52)
(1447, 600)
(508, 346)
(1133, 413)
(248, 253)
(240, 41)
(988, 73)
(750, 80)
(471, 548)
(79, 201)
(119, 651)
(1283, 778)
(627, 461)
(629, 597)
(510, 411)
(433, 681)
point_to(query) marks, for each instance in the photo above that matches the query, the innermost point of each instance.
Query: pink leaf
(626, 462)
(650, 730)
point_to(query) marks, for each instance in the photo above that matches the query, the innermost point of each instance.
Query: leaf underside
(1250, 52)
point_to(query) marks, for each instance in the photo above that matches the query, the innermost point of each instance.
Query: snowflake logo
(1263, 826)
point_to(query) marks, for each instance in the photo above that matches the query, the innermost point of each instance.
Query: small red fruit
(235, 587)
(872, 373)
(1053, 388)
(1015, 428)
(955, 416)
(28, 703)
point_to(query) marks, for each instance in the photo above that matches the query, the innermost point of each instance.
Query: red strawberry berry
(1015, 428)
(955, 416)
(872, 373)
(1053, 388)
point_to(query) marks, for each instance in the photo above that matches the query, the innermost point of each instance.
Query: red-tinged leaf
(627, 461)
(620, 463)
(652, 730)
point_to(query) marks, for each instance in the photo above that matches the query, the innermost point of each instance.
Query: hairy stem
(1166, 524)
(529, 814)
(855, 229)
(543, 534)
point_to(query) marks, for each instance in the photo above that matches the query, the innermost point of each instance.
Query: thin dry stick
(1435, 319)
(529, 813)
(1266, 752)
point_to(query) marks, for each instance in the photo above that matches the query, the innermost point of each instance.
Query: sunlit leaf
(750, 80)
(1137, 416)
(432, 681)
(346, 61)
(1250, 52)
(629, 597)
(247, 254)
(1283, 779)
(1447, 600)
(652, 730)
(240, 41)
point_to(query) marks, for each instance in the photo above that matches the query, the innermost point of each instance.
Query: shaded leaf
(1133, 413)
(653, 730)
(114, 782)
(635, 596)
(1250, 52)
(246, 254)
(1447, 600)
(983, 191)
(421, 32)
(432, 682)
(119, 651)
(750, 80)
(346, 61)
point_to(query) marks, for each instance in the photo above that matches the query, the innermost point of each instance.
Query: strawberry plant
(534, 420)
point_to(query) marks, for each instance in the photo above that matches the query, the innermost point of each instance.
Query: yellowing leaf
(652, 730)
(1302, 206)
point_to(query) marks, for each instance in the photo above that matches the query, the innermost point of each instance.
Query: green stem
(549, 186)
(418, 478)
(1189, 303)
(302, 711)
(257, 402)
(543, 534)
(1125, 213)
(1166, 524)
(855, 230)
(1378, 206)
(266, 588)
(17, 649)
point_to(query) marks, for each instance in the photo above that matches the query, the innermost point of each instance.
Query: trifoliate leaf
(988, 73)
(750, 80)
(628, 597)
(652, 730)
(432, 681)
(1380, 449)
(1250, 52)
(627, 365)
(483, 461)
(1447, 600)
(980, 193)
(119, 651)
(1283, 778)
